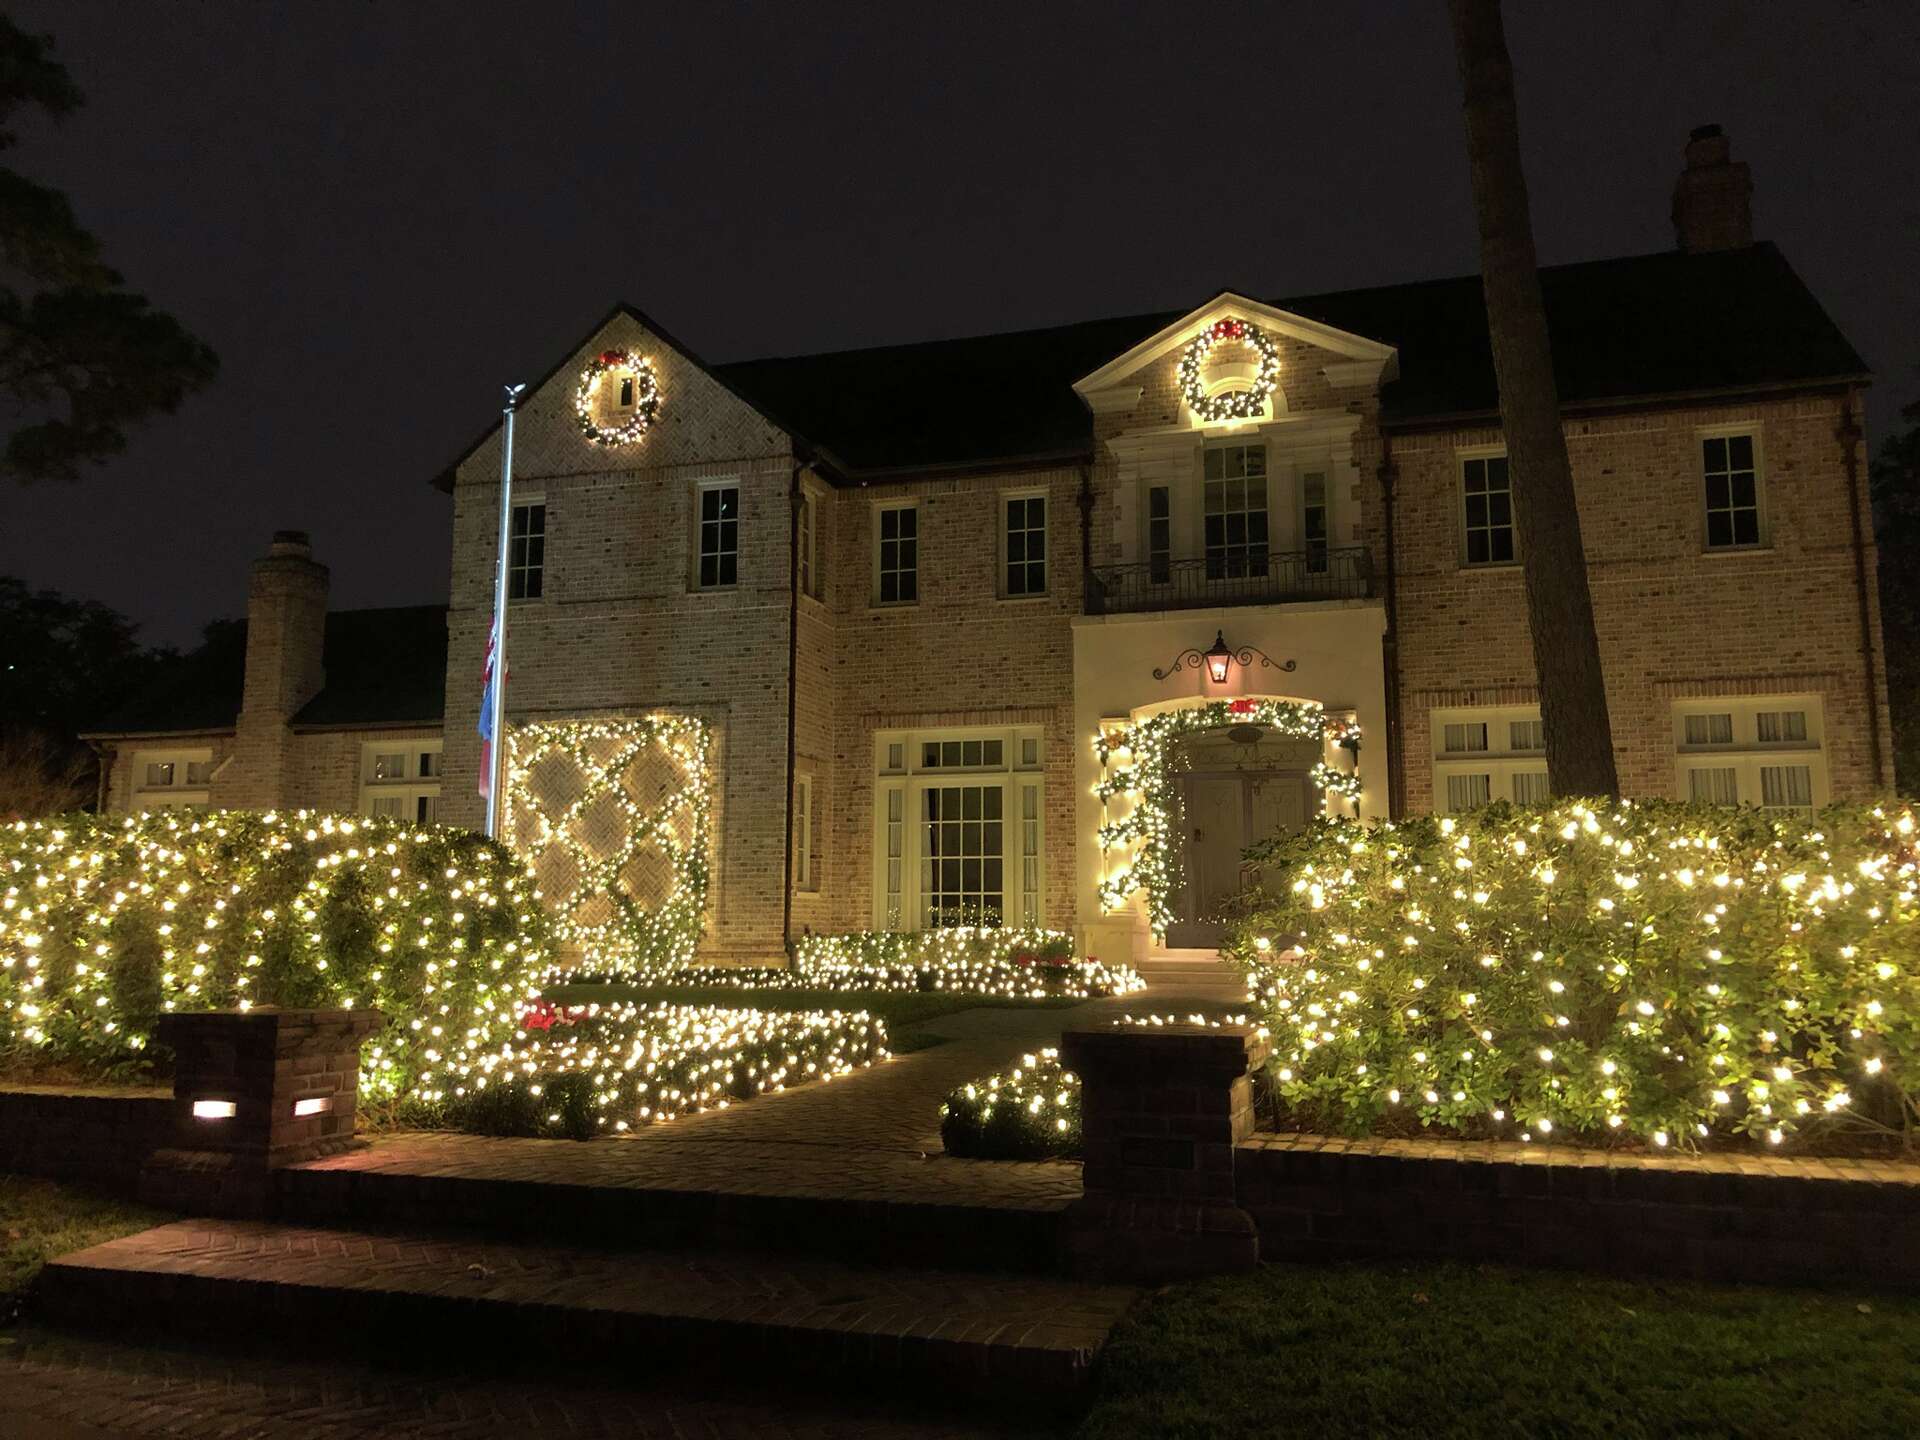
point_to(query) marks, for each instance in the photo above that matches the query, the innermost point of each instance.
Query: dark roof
(383, 667)
(1623, 330)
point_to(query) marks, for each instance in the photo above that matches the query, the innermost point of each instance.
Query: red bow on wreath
(613, 357)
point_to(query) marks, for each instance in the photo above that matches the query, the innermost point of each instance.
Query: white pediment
(1361, 361)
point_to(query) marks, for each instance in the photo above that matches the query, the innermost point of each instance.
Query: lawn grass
(902, 1010)
(1452, 1350)
(40, 1219)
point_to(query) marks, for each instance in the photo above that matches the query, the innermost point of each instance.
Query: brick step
(1018, 1338)
(621, 1211)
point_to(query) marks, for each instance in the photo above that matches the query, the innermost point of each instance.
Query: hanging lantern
(1219, 658)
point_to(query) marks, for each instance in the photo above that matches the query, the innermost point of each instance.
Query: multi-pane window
(1159, 534)
(1235, 513)
(959, 829)
(809, 568)
(1313, 521)
(171, 780)
(1733, 491)
(527, 551)
(1764, 751)
(1486, 754)
(1486, 488)
(897, 564)
(1026, 542)
(401, 780)
(962, 861)
(719, 535)
(803, 832)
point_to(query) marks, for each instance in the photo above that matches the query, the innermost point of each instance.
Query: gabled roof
(1625, 331)
(383, 667)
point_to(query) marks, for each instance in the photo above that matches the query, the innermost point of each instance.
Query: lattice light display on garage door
(613, 816)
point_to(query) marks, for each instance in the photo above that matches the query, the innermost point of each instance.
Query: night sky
(377, 214)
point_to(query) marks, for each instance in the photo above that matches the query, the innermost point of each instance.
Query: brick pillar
(253, 1090)
(1163, 1107)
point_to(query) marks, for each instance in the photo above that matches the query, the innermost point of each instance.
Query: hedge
(1032, 1112)
(105, 923)
(1670, 972)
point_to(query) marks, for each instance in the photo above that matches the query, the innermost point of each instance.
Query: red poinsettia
(1241, 707)
(539, 1016)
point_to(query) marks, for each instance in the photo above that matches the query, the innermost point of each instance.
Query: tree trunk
(1566, 652)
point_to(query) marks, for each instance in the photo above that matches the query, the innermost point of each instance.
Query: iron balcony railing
(1270, 577)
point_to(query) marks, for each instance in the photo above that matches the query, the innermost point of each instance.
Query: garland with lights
(646, 398)
(1147, 779)
(105, 923)
(1673, 974)
(1231, 404)
(634, 938)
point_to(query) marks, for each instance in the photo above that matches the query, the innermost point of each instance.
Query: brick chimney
(286, 625)
(1713, 199)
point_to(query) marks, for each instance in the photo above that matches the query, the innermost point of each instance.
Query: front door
(1222, 814)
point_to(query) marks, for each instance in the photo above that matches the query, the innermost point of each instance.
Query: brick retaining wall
(1712, 1217)
(96, 1136)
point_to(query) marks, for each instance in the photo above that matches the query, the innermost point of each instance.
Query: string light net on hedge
(1138, 766)
(613, 815)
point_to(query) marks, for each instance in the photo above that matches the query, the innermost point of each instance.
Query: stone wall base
(1129, 1239)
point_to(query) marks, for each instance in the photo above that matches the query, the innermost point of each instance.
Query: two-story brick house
(905, 591)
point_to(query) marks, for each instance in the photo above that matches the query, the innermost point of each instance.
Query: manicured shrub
(592, 1070)
(973, 960)
(1668, 972)
(105, 923)
(1032, 1112)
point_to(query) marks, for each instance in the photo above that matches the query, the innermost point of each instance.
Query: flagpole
(497, 696)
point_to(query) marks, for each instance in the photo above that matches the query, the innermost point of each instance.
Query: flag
(487, 682)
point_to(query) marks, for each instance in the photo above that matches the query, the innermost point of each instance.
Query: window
(1313, 521)
(1733, 491)
(1026, 545)
(1487, 491)
(1159, 534)
(1487, 754)
(527, 551)
(171, 779)
(897, 563)
(719, 536)
(809, 568)
(1764, 750)
(400, 779)
(959, 821)
(1235, 517)
(626, 392)
(803, 832)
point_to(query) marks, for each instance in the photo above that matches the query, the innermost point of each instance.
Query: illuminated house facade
(887, 638)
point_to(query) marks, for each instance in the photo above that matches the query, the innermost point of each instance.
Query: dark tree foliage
(63, 664)
(1896, 527)
(81, 357)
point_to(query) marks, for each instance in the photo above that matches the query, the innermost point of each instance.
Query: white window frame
(1500, 762)
(1461, 459)
(809, 542)
(919, 540)
(409, 786)
(805, 874)
(1008, 497)
(1751, 430)
(1022, 894)
(1258, 559)
(1747, 755)
(516, 573)
(702, 489)
(178, 793)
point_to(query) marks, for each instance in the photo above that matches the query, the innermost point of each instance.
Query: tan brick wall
(621, 627)
(1673, 620)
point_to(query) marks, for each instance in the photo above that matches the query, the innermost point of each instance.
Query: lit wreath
(646, 398)
(1232, 404)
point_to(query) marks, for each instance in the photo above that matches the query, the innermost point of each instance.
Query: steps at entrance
(1013, 1337)
(1200, 975)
